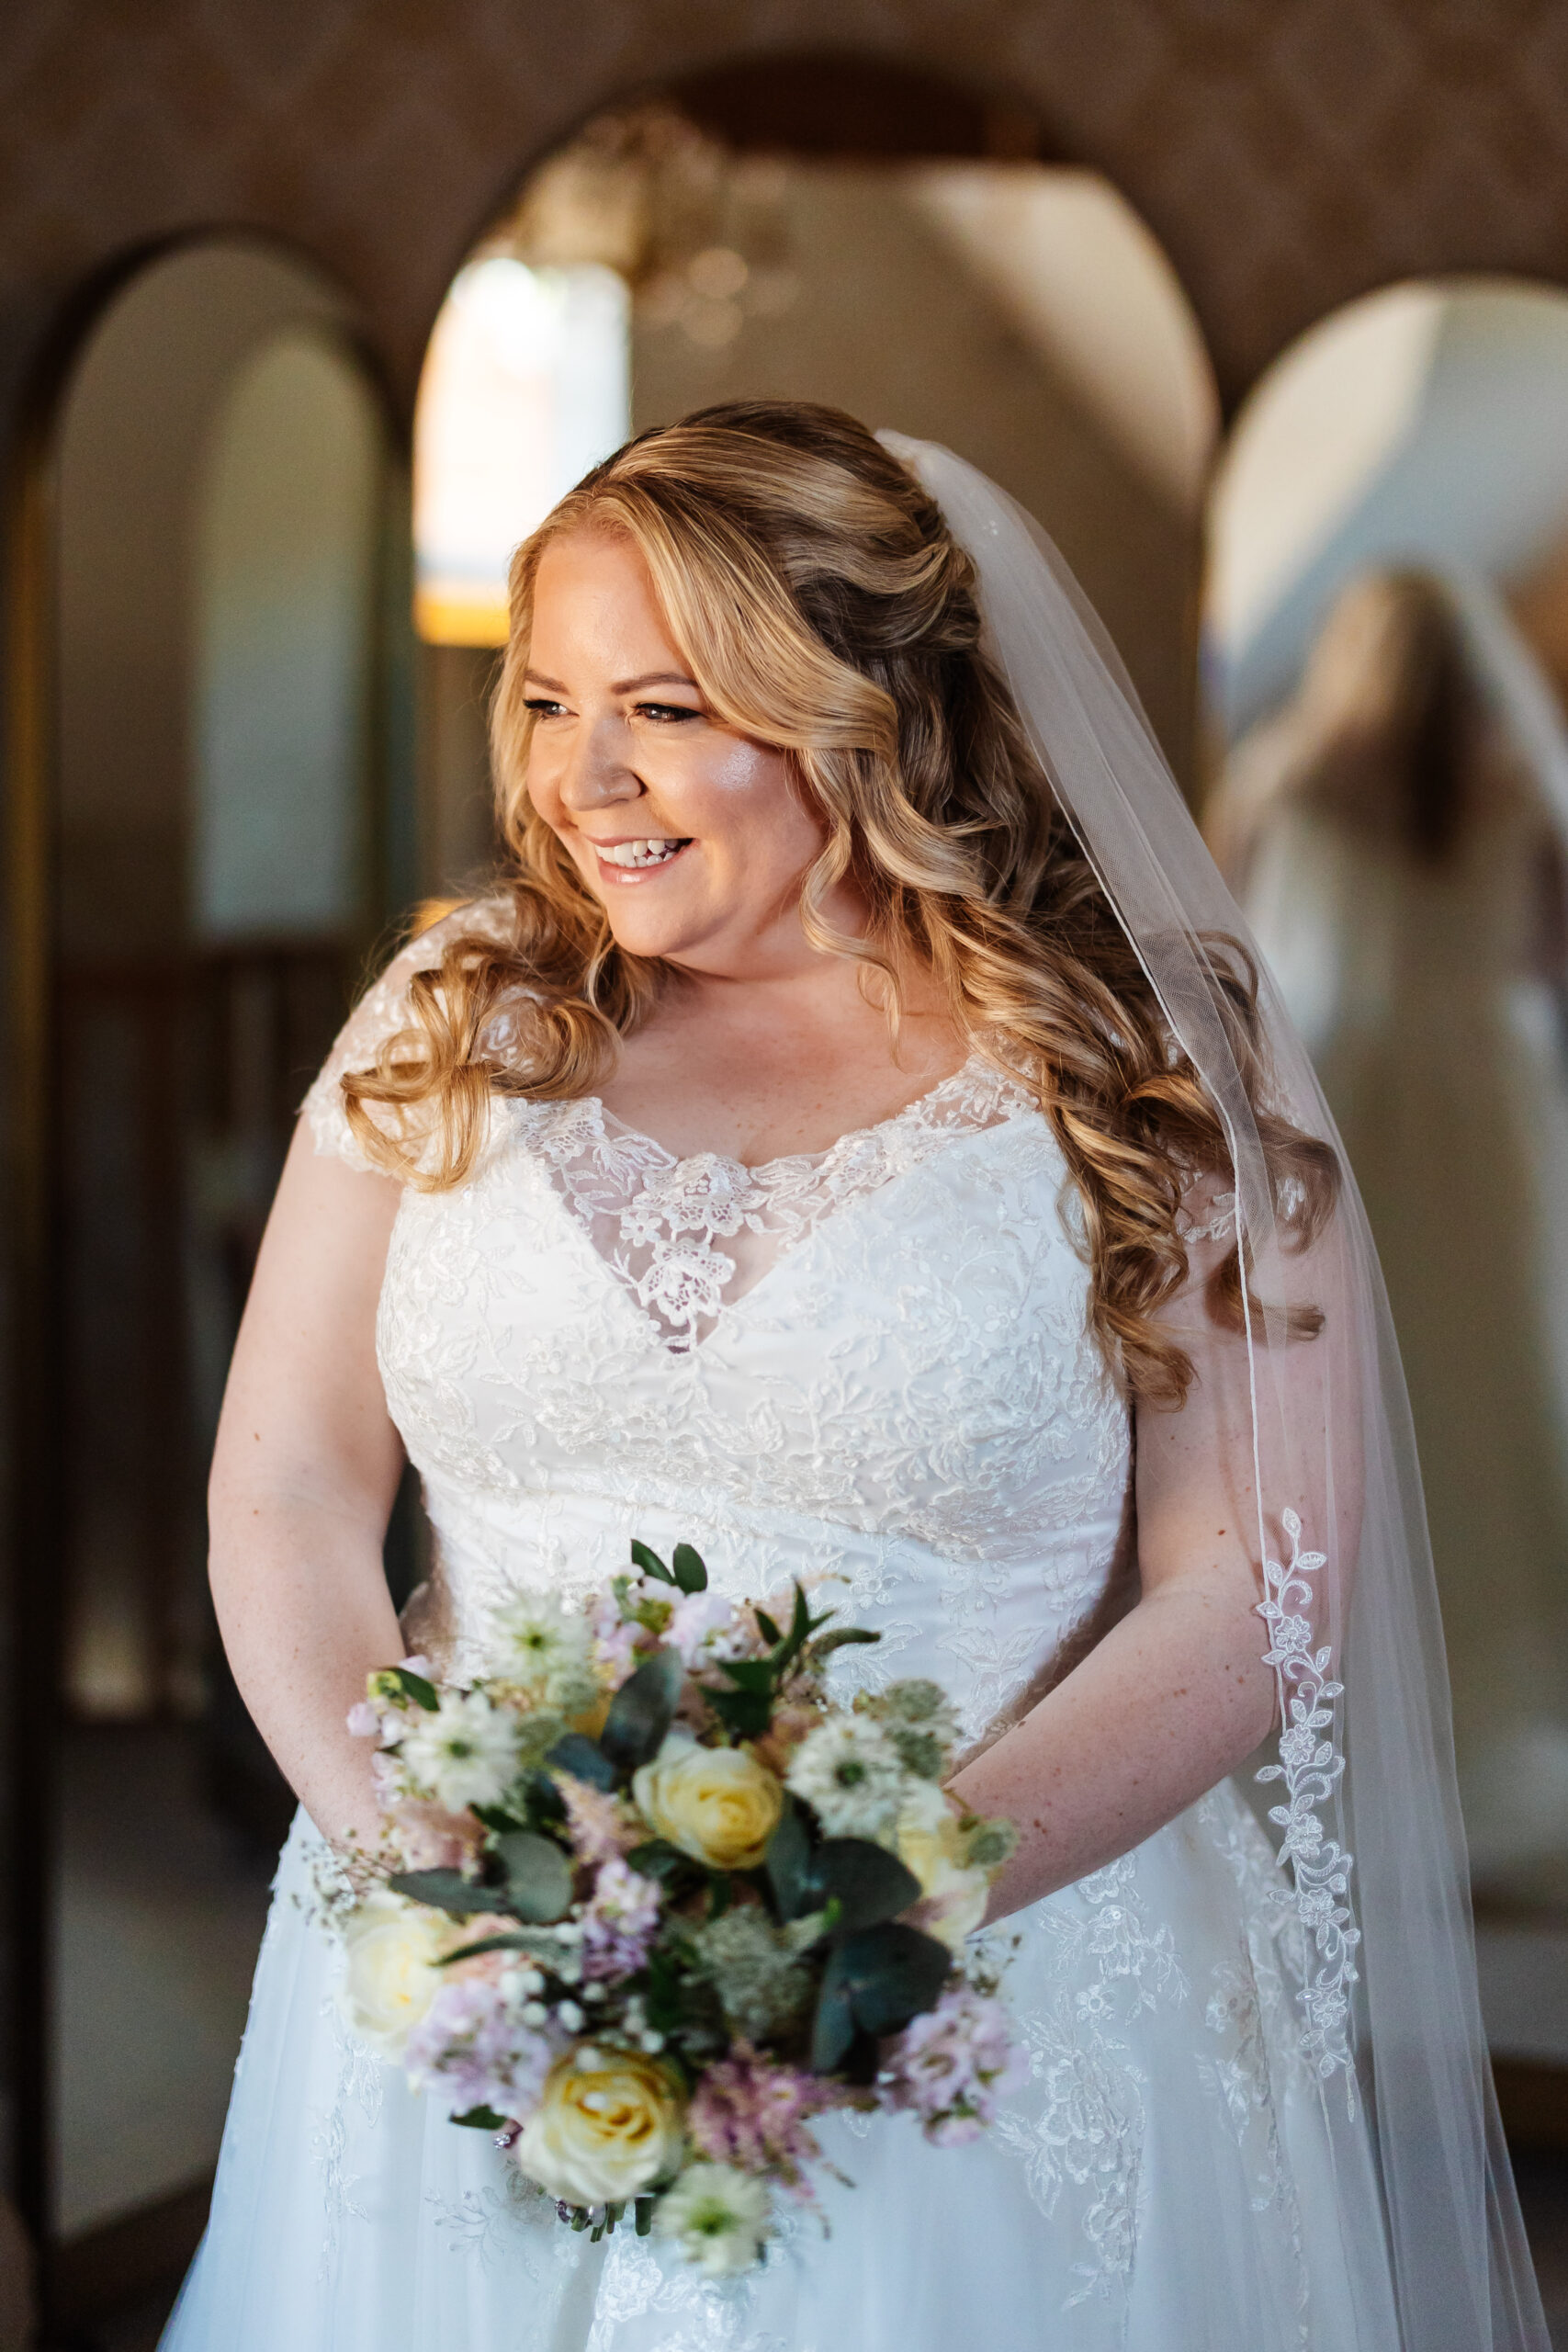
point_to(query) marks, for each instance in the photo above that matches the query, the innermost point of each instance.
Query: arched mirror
(1385, 653)
(806, 231)
(206, 813)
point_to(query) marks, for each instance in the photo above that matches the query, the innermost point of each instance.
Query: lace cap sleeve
(380, 1014)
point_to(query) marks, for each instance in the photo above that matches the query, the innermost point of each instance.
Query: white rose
(609, 2123)
(393, 1949)
(929, 1841)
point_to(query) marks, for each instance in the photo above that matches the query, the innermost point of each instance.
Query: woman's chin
(665, 933)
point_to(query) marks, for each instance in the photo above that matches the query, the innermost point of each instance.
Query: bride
(836, 1144)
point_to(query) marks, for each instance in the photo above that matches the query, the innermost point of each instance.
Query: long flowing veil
(1360, 1791)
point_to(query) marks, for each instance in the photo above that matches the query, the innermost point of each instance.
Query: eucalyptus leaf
(691, 1573)
(868, 1883)
(788, 1864)
(545, 1800)
(578, 1755)
(642, 1712)
(482, 2118)
(891, 1974)
(449, 1891)
(539, 1876)
(487, 1943)
(649, 1563)
(833, 2028)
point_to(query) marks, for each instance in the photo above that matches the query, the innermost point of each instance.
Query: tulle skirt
(1165, 2182)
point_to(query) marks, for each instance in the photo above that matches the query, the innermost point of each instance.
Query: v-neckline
(612, 1180)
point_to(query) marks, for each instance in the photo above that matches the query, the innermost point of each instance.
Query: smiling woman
(807, 1151)
(632, 771)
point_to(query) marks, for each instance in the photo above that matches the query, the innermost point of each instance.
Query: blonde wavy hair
(825, 608)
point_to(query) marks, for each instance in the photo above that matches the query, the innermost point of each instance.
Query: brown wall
(1288, 152)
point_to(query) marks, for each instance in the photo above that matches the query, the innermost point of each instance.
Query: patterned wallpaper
(1288, 152)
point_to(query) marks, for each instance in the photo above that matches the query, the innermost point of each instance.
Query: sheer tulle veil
(1360, 1787)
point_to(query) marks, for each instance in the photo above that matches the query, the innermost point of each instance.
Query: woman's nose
(596, 771)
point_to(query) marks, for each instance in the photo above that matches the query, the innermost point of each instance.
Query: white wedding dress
(895, 1388)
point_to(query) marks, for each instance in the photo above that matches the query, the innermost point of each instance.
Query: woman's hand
(305, 1471)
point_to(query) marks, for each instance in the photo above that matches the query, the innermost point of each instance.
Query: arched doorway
(207, 805)
(826, 229)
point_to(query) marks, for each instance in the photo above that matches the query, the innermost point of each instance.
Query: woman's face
(693, 837)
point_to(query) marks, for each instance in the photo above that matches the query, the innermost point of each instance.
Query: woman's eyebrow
(654, 678)
(622, 685)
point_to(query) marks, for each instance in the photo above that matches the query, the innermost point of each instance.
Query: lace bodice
(686, 1237)
(871, 1364)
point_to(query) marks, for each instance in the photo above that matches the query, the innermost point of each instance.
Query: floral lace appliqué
(660, 1221)
(1310, 1766)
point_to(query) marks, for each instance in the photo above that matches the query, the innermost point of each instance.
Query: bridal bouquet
(649, 1902)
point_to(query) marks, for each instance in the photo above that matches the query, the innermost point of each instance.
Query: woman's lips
(636, 868)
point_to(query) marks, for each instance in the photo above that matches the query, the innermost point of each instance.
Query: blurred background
(307, 315)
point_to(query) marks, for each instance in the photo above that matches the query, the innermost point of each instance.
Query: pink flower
(365, 1719)
(952, 2064)
(601, 1831)
(704, 1619)
(470, 2050)
(616, 1638)
(430, 1839)
(754, 2115)
(620, 1923)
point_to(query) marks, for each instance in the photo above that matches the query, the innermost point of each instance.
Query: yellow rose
(610, 2124)
(928, 1842)
(393, 1976)
(716, 1803)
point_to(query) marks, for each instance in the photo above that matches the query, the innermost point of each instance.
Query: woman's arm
(304, 1475)
(1176, 1695)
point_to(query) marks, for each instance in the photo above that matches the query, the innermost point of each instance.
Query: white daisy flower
(850, 1773)
(546, 1651)
(466, 1753)
(717, 2217)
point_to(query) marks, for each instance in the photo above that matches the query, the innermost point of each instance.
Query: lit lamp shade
(526, 385)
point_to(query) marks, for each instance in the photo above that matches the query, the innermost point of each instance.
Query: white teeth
(649, 852)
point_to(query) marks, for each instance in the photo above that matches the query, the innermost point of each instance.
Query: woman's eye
(544, 708)
(667, 713)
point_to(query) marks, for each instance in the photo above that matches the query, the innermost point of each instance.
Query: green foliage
(449, 1891)
(657, 1858)
(841, 1637)
(788, 1863)
(539, 1876)
(642, 1712)
(867, 1884)
(584, 1760)
(395, 1682)
(690, 1574)
(875, 1981)
(490, 1943)
(482, 2118)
